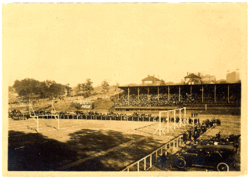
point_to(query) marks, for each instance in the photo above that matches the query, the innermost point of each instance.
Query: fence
(151, 159)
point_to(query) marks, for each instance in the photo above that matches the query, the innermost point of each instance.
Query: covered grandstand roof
(183, 85)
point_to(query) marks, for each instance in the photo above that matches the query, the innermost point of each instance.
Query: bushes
(76, 105)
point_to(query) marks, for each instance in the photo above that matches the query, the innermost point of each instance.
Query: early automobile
(220, 157)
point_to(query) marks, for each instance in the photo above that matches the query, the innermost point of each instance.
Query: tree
(81, 88)
(84, 89)
(26, 86)
(105, 87)
(162, 83)
(68, 89)
(88, 86)
(116, 86)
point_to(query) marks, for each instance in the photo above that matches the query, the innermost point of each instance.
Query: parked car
(220, 157)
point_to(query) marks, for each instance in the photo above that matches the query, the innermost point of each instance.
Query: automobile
(220, 157)
(232, 139)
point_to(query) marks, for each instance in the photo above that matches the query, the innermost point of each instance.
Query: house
(151, 80)
(192, 79)
(208, 79)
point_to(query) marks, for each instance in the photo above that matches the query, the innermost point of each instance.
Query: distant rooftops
(191, 75)
(150, 78)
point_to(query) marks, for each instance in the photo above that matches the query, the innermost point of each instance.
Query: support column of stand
(185, 117)
(138, 94)
(160, 124)
(158, 93)
(202, 94)
(168, 122)
(214, 93)
(179, 93)
(128, 96)
(180, 118)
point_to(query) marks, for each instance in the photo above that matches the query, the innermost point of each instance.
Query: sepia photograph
(124, 89)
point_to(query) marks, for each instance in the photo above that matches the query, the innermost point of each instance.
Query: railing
(150, 160)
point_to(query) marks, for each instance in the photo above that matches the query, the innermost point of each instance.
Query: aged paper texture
(99, 89)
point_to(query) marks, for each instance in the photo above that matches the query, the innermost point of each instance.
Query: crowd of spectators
(185, 100)
(152, 100)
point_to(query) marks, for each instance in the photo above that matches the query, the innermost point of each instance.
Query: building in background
(192, 79)
(208, 79)
(151, 80)
(233, 77)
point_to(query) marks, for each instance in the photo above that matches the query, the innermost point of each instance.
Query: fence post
(138, 166)
(37, 124)
(150, 160)
(58, 122)
(177, 141)
(156, 156)
(145, 167)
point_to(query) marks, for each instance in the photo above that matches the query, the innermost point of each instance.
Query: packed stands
(195, 100)
(152, 100)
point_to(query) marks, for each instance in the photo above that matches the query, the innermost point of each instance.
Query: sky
(122, 42)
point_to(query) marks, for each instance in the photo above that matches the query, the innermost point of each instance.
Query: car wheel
(181, 163)
(222, 167)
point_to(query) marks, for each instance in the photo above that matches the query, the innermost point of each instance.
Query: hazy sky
(122, 43)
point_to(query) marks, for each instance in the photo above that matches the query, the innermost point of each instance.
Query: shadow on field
(35, 152)
(104, 141)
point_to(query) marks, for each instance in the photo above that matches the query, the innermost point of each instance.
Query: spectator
(163, 160)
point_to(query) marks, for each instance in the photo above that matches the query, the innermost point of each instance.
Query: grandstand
(199, 95)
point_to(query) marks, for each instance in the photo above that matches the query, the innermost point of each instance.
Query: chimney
(187, 73)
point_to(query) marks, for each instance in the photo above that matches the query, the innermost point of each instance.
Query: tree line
(29, 87)
(45, 89)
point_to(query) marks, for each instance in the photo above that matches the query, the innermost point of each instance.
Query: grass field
(79, 145)
(88, 145)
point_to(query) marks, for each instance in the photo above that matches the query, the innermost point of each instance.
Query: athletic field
(88, 145)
